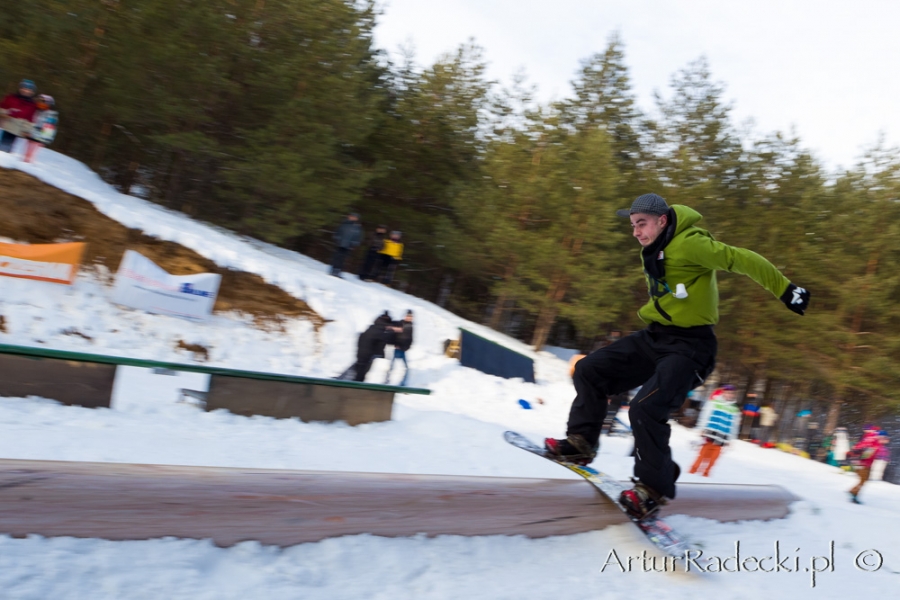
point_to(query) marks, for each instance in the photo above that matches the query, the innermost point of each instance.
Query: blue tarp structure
(494, 359)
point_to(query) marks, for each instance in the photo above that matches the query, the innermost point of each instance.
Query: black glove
(796, 299)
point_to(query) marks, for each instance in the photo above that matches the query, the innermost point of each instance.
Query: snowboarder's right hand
(796, 299)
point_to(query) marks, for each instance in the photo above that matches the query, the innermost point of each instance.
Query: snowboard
(660, 533)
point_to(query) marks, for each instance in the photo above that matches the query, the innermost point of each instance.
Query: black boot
(574, 449)
(641, 501)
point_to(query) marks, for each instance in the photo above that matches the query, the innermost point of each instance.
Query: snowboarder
(674, 354)
(403, 339)
(346, 237)
(16, 114)
(719, 423)
(45, 123)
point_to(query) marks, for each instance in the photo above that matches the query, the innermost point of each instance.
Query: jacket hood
(685, 217)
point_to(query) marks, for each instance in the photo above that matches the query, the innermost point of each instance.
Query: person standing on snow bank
(673, 355)
(388, 259)
(16, 114)
(347, 236)
(376, 243)
(719, 423)
(44, 130)
(872, 447)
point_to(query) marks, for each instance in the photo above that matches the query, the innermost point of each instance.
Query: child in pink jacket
(872, 447)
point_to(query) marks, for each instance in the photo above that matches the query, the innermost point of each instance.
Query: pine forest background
(275, 118)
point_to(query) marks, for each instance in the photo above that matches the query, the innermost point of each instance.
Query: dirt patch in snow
(38, 213)
(199, 351)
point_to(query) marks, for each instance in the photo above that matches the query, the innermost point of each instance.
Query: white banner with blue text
(141, 283)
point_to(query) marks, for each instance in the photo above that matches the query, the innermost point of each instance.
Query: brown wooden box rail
(280, 507)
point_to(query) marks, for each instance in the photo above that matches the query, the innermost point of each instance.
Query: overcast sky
(826, 68)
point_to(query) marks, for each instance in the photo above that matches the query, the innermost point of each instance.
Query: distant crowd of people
(383, 253)
(720, 422)
(30, 116)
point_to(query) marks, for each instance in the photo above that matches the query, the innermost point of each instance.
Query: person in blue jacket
(347, 236)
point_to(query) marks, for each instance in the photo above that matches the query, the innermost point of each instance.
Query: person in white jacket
(767, 418)
(841, 446)
(719, 423)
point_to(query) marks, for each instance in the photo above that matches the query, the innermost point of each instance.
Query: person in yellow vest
(389, 258)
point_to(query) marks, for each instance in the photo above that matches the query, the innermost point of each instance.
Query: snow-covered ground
(456, 430)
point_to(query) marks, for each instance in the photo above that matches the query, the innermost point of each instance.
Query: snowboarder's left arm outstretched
(707, 252)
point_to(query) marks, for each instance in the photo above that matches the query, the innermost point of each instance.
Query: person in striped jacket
(719, 423)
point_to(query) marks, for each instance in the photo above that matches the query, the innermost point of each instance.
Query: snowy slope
(456, 430)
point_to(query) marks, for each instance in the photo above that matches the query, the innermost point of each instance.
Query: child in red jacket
(16, 114)
(872, 447)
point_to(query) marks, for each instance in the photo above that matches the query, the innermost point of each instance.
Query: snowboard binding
(641, 501)
(573, 449)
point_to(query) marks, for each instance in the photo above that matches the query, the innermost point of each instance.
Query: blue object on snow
(525, 404)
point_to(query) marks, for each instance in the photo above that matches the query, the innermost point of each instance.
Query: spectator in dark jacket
(376, 243)
(370, 346)
(403, 339)
(16, 114)
(347, 236)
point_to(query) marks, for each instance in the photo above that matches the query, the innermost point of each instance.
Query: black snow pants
(667, 362)
(361, 368)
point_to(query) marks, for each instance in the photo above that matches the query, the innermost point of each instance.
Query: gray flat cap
(649, 204)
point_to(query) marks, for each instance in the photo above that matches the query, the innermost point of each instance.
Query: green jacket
(692, 257)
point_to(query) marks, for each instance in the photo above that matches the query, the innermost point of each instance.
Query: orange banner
(45, 262)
